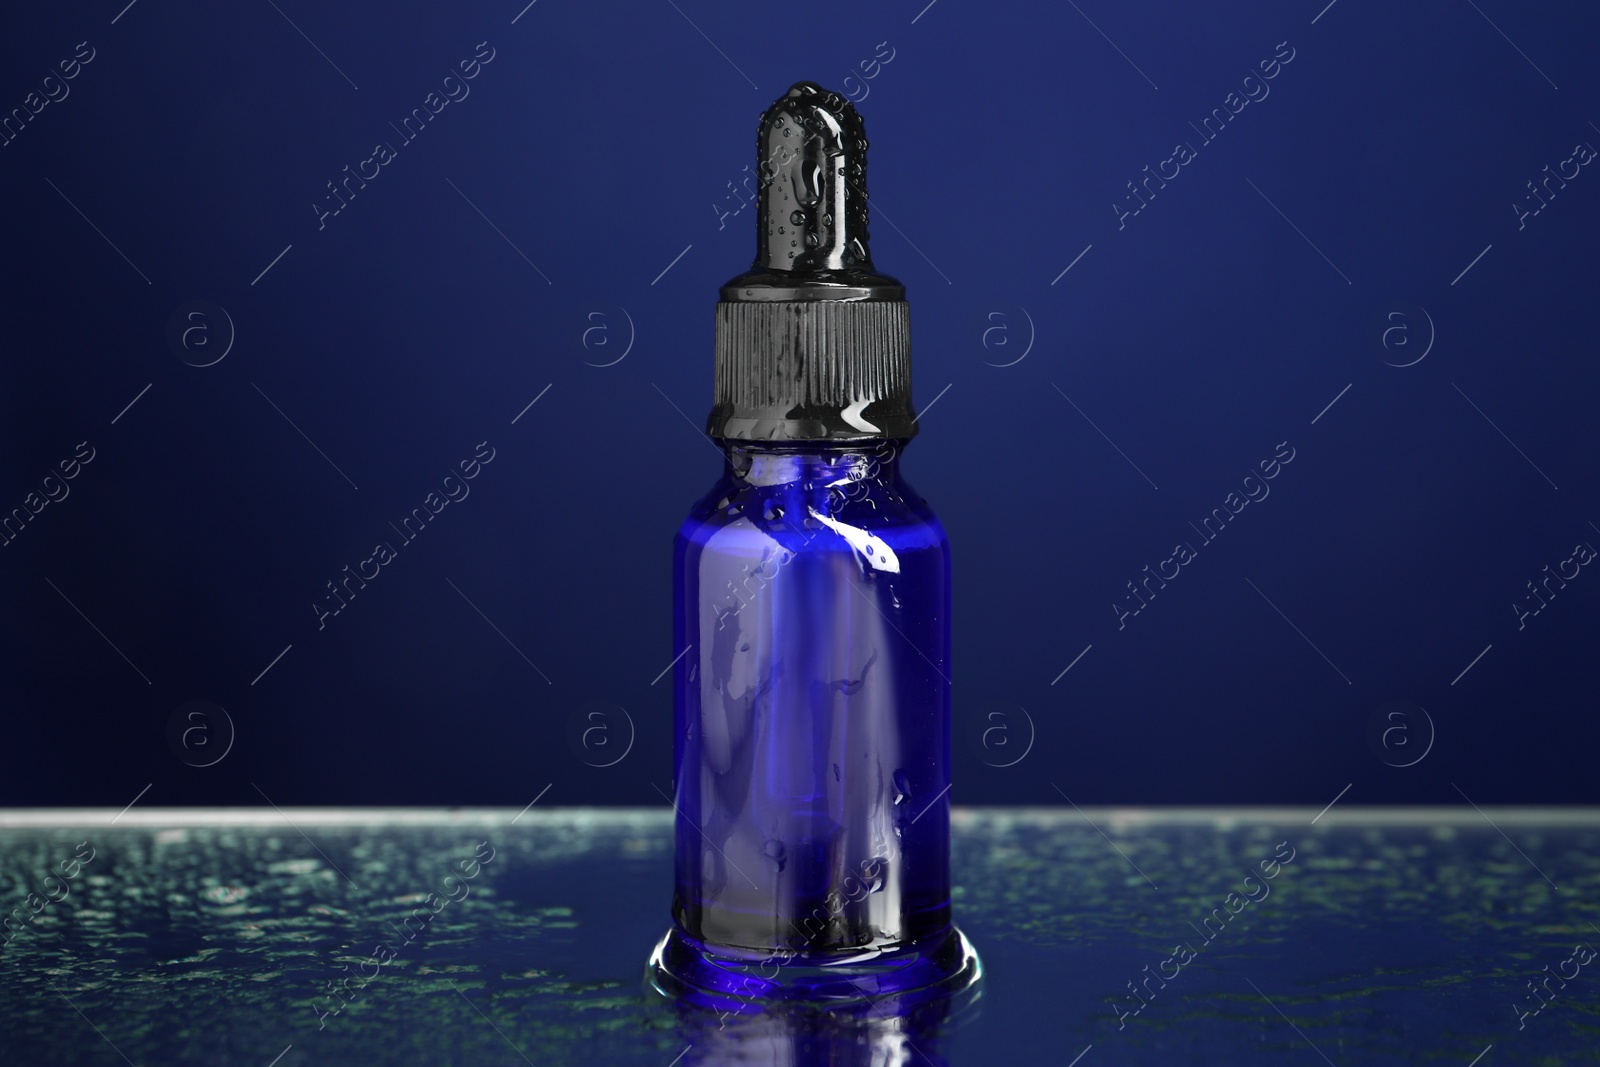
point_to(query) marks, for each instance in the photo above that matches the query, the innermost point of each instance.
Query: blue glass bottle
(812, 597)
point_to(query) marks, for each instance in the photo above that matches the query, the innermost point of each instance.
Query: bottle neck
(820, 463)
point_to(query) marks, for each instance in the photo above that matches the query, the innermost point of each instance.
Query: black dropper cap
(812, 344)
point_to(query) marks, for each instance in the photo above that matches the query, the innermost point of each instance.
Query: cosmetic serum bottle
(812, 599)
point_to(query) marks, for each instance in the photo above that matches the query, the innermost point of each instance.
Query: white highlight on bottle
(873, 550)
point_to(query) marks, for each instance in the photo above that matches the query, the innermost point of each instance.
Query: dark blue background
(601, 142)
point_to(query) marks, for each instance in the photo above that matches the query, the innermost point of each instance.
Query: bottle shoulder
(744, 518)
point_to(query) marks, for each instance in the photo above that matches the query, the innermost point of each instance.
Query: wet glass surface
(1369, 937)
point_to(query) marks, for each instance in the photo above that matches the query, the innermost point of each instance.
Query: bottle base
(947, 968)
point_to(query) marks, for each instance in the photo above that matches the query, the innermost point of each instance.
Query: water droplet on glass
(902, 787)
(224, 894)
(797, 217)
(773, 511)
(745, 647)
(774, 851)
